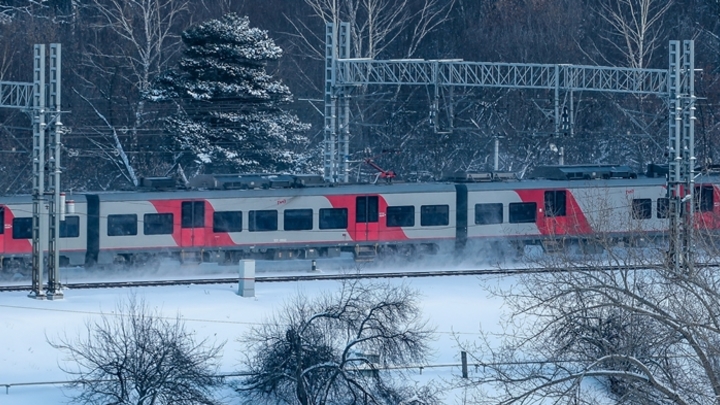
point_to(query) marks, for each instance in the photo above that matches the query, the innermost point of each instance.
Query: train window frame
(127, 223)
(158, 223)
(231, 221)
(70, 227)
(302, 222)
(22, 228)
(400, 216)
(333, 218)
(2, 220)
(262, 220)
(522, 212)
(641, 208)
(555, 203)
(435, 215)
(192, 214)
(703, 198)
(488, 214)
(367, 209)
(663, 208)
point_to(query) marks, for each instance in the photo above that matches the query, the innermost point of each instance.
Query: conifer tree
(229, 115)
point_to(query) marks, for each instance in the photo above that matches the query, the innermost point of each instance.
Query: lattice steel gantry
(343, 73)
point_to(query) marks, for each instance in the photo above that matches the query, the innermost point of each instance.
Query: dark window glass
(227, 221)
(488, 214)
(401, 215)
(265, 220)
(158, 224)
(555, 203)
(663, 207)
(366, 209)
(522, 213)
(703, 199)
(122, 225)
(2, 220)
(70, 227)
(333, 218)
(298, 220)
(642, 208)
(434, 215)
(22, 228)
(193, 214)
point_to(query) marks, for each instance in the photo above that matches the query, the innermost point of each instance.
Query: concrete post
(246, 284)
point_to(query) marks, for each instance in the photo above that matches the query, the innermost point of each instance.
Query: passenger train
(229, 217)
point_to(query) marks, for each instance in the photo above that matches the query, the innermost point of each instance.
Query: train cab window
(642, 208)
(555, 203)
(434, 215)
(227, 221)
(488, 214)
(522, 213)
(403, 215)
(703, 199)
(70, 227)
(264, 220)
(2, 220)
(193, 214)
(158, 224)
(122, 225)
(663, 208)
(366, 209)
(333, 218)
(298, 220)
(22, 228)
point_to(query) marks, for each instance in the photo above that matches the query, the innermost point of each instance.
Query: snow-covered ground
(454, 305)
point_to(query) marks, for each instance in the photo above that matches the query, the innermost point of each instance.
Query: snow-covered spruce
(229, 116)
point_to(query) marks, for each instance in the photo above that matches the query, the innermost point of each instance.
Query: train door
(2, 230)
(192, 226)
(366, 218)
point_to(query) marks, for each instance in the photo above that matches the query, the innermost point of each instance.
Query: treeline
(113, 51)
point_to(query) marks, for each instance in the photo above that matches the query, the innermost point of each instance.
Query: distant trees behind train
(116, 53)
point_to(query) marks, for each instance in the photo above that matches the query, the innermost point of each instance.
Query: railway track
(314, 276)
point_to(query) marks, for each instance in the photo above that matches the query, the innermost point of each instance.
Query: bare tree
(137, 38)
(331, 350)
(136, 356)
(610, 324)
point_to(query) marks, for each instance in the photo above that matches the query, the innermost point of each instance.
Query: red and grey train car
(226, 225)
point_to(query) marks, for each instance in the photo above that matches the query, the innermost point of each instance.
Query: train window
(158, 224)
(298, 220)
(434, 215)
(70, 227)
(2, 220)
(22, 228)
(488, 214)
(122, 225)
(403, 215)
(227, 221)
(555, 202)
(333, 218)
(265, 220)
(193, 214)
(663, 208)
(642, 208)
(366, 209)
(522, 213)
(703, 198)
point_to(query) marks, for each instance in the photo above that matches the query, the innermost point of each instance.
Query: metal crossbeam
(357, 72)
(16, 95)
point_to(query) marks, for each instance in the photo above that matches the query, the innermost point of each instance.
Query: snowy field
(455, 306)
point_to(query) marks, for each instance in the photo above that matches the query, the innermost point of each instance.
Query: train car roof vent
(158, 183)
(582, 172)
(476, 177)
(254, 181)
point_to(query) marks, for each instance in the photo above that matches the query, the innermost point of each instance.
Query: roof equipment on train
(582, 172)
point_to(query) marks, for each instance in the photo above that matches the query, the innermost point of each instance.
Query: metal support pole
(54, 290)
(330, 103)
(343, 153)
(40, 217)
(688, 150)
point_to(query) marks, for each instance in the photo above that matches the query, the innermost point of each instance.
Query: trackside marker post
(246, 284)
